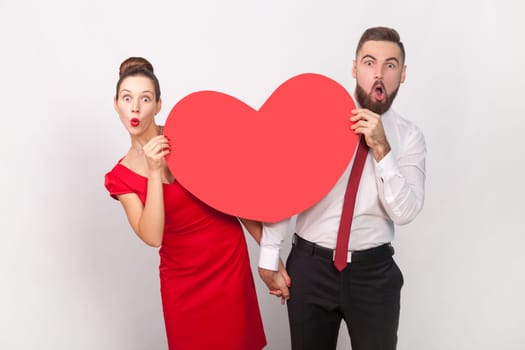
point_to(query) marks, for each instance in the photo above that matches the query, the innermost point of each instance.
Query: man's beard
(367, 101)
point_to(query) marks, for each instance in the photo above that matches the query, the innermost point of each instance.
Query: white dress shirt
(391, 191)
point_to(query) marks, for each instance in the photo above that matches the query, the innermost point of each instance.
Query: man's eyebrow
(392, 59)
(375, 59)
(368, 56)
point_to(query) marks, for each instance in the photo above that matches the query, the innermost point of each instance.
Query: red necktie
(341, 249)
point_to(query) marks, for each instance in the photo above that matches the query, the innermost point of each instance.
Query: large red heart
(265, 165)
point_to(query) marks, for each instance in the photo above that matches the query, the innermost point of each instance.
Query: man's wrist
(387, 167)
(380, 151)
(269, 258)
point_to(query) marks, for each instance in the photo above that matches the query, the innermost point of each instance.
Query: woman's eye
(126, 98)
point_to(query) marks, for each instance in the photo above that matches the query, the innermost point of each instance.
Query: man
(366, 293)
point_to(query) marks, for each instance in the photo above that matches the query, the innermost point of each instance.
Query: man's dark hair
(381, 34)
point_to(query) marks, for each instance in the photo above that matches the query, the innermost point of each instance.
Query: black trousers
(366, 294)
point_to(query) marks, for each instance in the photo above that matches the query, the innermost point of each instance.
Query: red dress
(207, 288)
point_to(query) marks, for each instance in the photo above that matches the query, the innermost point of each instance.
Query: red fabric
(341, 249)
(207, 288)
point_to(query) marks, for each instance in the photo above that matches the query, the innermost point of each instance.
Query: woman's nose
(135, 106)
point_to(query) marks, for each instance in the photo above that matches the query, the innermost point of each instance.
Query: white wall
(74, 276)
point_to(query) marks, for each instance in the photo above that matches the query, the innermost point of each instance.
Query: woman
(208, 293)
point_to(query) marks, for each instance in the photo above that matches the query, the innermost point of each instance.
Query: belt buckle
(348, 256)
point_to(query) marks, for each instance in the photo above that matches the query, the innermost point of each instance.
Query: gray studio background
(74, 276)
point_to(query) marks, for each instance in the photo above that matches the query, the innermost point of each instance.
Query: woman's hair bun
(135, 63)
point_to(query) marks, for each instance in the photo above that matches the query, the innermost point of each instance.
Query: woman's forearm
(254, 228)
(151, 223)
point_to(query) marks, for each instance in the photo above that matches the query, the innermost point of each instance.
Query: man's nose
(378, 72)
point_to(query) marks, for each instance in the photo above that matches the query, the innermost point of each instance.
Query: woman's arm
(254, 228)
(147, 220)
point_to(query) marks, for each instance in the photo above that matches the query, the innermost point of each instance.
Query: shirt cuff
(387, 167)
(269, 258)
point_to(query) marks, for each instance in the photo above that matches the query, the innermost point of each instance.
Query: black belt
(378, 253)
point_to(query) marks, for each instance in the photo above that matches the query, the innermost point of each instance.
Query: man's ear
(403, 74)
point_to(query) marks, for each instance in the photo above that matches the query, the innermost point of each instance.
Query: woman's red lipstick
(134, 122)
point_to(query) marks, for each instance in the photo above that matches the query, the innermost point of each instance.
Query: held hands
(278, 282)
(368, 124)
(155, 150)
